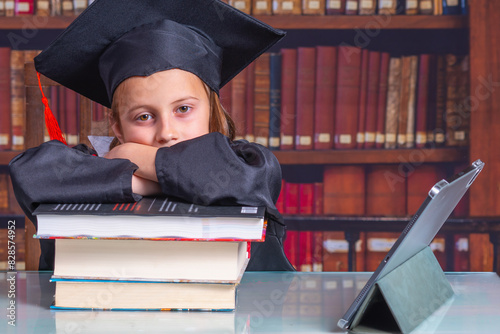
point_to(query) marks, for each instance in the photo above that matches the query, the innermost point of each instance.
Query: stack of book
(155, 254)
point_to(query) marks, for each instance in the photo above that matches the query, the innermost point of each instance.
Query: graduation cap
(113, 40)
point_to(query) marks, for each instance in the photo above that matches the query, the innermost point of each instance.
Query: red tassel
(50, 121)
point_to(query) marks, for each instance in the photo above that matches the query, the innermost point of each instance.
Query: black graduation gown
(208, 170)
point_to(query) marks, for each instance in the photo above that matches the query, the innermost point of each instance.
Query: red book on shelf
(306, 199)
(71, 109)
(324, 102)
(288, 97)
(420, 180)
(304, 124)
(422, 100)
(318, 199)
(261, 100)
(291, 198)
(317, 251)
(363, 94)
(5, 96)
(24, 7)
(385, 191)
(346, 110)
(291, 247)
(372, 98)
(344, 190)
(336, 7)
(280, 203)
(17, 102)
(249, 108)
(382, 100)
(305, 250)
(238, 103)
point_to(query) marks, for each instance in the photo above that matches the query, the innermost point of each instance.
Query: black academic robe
(208, 170)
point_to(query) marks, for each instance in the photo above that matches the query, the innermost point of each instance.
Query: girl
(159, 65)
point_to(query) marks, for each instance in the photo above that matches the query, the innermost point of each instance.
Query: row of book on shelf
(324, 97)
(264, 7)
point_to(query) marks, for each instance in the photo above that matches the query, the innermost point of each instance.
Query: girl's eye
(144, 117)
(183, 109)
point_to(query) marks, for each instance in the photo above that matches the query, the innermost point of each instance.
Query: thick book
(344, 190)
(24, 7)
(243, 5)
(159, 218)
(324, 101)
(304, 124)
(138, 295)
(363, 95)
(5, 95)
(262, 7)
(367, 7)
(422, 98)
(372, 99)
(150, 260)
(261, 100)
(382, 100)
(335, 7)
(274, 100)
(288, 97)
(238, 104)
(393, 102)
(249, 107)
(313, 7)
(385, 190)
(287, 7)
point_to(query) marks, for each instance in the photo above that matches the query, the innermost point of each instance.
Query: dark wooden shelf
(381, 156)
(371, 22)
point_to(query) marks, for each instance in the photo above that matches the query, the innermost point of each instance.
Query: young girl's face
(162, 109)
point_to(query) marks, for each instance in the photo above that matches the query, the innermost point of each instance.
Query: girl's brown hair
(220, 120)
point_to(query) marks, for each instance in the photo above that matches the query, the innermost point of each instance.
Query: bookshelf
(484, 63)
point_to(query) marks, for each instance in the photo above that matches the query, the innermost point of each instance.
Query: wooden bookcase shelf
(374, 22)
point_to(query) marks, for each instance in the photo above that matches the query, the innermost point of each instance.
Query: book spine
(372, 99)
(68, 8)
(441, 93)
(291, 247)
(363, 95)
(426, 7)
(317, 251)
(2, 8)
(324, 101)
(262, 7)
(351, 7)
(410, 125)
(306, 66)
(43, 7)
(385, 191)
(432, 100)
(287, 7)
(261, 100)
(274, 100)
(335, 251)
(335, 7)
(250, 103)
(313, 7)
(461, 253)
(24, 7)
(5, 97)
(387, 7)
(55, 7)
(306, 199)
(238, 104)
(404, 95)
(367, 7)
(382, 100)
(452, 7)
(344, 190)
(288, 97)
(393, 103)
(243, 5)
(305, 250)
(9, 7)
(422, 101)
(291, 198)
(318, 208)
(71, 108)
(17, 98)
(79, 6)
(348, 86)
(4, 198)
(411, 7)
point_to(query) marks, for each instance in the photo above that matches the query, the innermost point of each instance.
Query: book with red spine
(287, 7)
(262, 7)
(313, 7)
(363, 95)
(24, 7)
(385, 190)
(306, 199)
(372, 99)
(291, 247)
(304, 124)
(5, 97)
(318, 209)
(461, 253)
(305, 250)
(422, 101)
(261, 100)
(348, 87)
(288, 98)
(291, 198)
(280, 203)
(382, 100)
(324, 102)
(344, 190)
(238, 103)
(336, 7)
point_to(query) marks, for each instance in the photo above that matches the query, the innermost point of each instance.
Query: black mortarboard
(116, 39)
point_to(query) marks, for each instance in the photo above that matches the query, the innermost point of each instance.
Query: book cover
(404, 101)
(305, 250)
(274, 100)
(262, 7)
(304, 123)
(317, 251)
(5, 96)
(432, 100)
(287, 7)
(382, 100)
(291, 248)
(335, 7)
(393, 103)
(363, 95)
(348, 90)
(261, 100)
(410, 122)
(238, 103)
(159, 217)
(373, 87)
(324, 100)
(422, 106)
(288, 98)
(344, 190)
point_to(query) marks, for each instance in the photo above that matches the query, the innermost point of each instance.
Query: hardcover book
(159, 218)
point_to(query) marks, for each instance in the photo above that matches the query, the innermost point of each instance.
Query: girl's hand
(142, 155)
